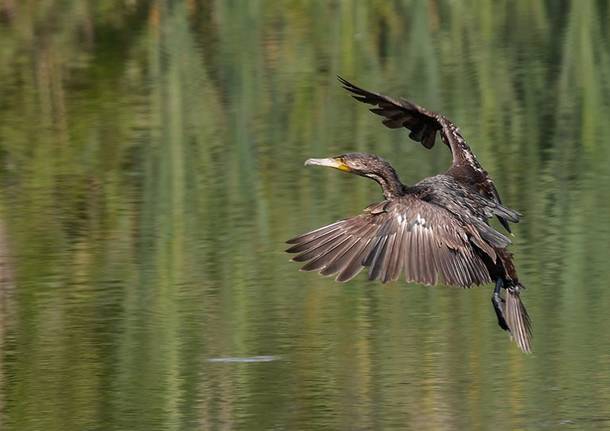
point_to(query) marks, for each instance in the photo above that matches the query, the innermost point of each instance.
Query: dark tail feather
(517, 319)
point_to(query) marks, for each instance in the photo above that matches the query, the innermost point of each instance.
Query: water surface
(151, 167)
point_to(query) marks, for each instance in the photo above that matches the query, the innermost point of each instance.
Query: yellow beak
(330, 162)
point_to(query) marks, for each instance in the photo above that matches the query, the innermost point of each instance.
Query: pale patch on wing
(424, 242)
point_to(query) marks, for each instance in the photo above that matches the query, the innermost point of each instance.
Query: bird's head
(356, 163)
(366, 165)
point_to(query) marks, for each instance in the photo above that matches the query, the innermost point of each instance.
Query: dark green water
(151, 166)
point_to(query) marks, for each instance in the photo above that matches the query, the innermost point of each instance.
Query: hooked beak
(330, 162)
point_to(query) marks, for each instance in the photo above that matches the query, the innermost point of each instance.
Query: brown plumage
(402, 235)
(434, 232)
(424, 126)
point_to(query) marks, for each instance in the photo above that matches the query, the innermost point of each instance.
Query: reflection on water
(151, 164)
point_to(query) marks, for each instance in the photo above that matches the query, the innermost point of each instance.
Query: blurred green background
(151, 167)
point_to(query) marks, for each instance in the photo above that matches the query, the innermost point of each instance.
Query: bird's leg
(498, 302)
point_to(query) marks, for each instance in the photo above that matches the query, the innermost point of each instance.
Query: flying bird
(433, 232)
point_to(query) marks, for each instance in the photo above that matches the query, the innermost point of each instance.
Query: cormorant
(434, 232)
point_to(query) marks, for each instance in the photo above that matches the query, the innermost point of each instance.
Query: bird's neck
(389, 182)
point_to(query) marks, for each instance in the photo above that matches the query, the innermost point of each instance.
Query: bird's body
(434, 232)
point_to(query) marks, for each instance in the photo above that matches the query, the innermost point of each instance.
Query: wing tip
(346, 84)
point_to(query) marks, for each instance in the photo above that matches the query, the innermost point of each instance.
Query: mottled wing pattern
(423, 241)
(472, 208)
(424, 125)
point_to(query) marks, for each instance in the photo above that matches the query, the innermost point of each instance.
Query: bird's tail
(517, 319)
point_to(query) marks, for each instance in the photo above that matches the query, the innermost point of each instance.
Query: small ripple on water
(240, 360)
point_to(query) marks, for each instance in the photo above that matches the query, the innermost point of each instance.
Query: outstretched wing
(424, 125)
(399, 112)
(424, 241)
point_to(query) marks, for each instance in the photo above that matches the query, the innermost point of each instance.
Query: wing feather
(424, 126)
(354, 266)
(321, 260)
(315, 233)
(377, 257)
(395, 264)
(398, 113)
(310, 248)
(406, 235)
(355, 246)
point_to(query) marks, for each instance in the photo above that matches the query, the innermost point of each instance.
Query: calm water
(151, 166)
